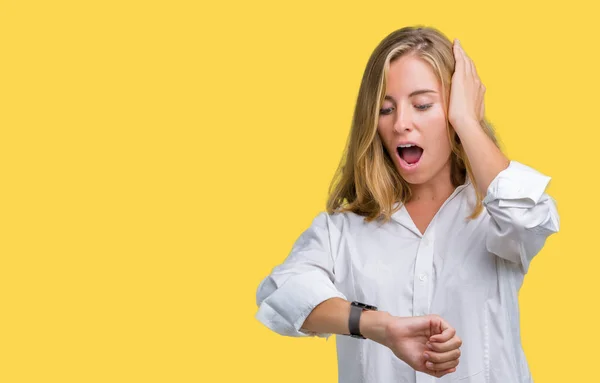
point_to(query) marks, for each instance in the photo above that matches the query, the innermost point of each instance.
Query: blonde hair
(366, 181)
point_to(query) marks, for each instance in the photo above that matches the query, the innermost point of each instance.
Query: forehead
(409, 73)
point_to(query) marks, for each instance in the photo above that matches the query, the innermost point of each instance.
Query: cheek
(441, 146)
(383, 138)
(385, 126)
(435, 116)
(437, 137)
(385, 133)
(434, 120)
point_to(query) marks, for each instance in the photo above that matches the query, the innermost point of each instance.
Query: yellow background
(158, 158)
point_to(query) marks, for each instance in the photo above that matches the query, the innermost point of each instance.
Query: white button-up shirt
(467, 271)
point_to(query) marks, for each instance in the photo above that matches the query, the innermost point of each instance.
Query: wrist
(463, 124)
(373, 324)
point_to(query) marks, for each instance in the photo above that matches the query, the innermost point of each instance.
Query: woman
(428, 222)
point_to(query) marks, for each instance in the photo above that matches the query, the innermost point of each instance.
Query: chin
(422, 174)
(417, 175)
(415, 178)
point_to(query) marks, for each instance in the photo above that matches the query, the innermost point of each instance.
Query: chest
(450, 262)
(422, 214)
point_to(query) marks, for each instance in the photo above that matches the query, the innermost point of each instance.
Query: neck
(437, 189)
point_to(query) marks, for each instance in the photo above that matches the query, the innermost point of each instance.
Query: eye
(421, 107)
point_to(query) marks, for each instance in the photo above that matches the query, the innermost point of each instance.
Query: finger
(471, 66)
(447, 334)
(460, 56)
(474, 69)
(439, 374)
(482, 115)
(435, 325)
(452, 344)
(441, 366)
(468, 63)
(441, 357)
(438, 326)
(459, 60)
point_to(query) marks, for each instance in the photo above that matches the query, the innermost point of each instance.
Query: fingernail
(429, 345)
(426, 356)
(429, 364)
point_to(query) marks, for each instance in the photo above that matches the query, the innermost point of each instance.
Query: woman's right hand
(408, 338)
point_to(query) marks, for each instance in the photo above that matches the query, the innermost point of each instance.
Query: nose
(402, 122)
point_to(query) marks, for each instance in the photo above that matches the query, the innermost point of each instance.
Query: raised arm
(523, 216)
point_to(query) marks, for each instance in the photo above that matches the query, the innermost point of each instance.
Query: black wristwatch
(356, 309)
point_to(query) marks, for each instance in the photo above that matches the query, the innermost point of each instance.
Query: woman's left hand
(466, 91)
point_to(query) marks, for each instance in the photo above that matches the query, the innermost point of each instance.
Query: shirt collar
(403, 218)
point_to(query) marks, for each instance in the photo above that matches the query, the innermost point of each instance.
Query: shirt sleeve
(523, 216)
(294, 288)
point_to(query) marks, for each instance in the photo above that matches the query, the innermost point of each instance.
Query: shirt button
(423, 277)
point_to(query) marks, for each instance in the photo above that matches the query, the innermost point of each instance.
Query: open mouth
(410, 153)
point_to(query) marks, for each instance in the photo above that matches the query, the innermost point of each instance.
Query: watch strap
(356, 309)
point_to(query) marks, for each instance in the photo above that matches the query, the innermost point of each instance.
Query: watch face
(364, 305)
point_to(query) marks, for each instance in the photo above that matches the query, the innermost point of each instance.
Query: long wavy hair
(366, 181)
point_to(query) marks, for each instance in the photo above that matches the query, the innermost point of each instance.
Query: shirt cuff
(286, 309)
(517, 186)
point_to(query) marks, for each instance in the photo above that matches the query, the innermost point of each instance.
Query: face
(412, 121)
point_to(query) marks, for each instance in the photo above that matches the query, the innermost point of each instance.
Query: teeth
(406, 146)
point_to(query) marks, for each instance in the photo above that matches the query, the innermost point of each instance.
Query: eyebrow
(415, 93)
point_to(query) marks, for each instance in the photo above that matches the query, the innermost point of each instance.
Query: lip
(406, 143)
(405, 165)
